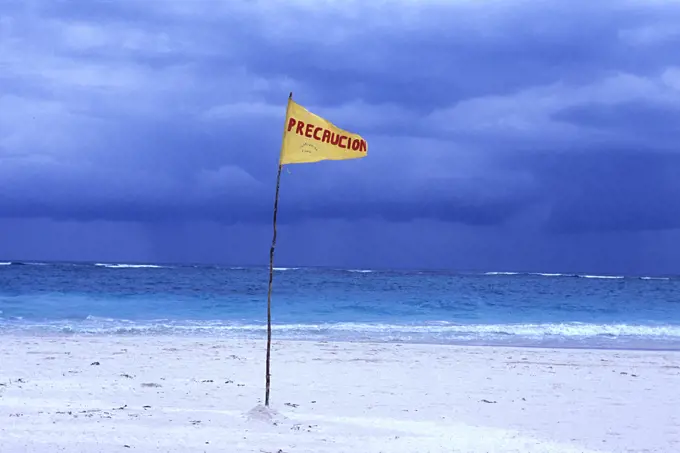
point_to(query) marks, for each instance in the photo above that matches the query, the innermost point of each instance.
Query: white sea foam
(528, 330)
(129, 266)
(557, 274)
(602, 276)
(439, 331)
(286, 268)
(5, 263)
(360, 271)
(546, 274)
(110, 320)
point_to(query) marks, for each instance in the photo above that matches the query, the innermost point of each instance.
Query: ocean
(493, 308)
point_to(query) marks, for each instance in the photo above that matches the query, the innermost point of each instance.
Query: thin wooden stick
(271, 279)
(269, 294)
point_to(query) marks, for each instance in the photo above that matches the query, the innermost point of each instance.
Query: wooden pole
(271, 279)
(269, 293)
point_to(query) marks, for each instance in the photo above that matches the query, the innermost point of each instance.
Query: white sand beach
(167, 394)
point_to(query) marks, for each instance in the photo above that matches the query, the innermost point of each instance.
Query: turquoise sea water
(336, 304)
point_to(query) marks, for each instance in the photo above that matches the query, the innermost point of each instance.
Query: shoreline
(183, 394)
(461, 344)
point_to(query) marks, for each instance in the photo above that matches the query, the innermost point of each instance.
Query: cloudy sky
(503, 135)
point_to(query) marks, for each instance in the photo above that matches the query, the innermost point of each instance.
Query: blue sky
(503, 135)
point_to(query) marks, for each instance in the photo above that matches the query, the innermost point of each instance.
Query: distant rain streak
(324, 135)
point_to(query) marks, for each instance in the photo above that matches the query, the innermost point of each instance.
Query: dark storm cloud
(613, 190)
(646, 121)
(476, 113)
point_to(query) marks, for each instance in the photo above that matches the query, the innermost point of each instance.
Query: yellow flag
(310, 138)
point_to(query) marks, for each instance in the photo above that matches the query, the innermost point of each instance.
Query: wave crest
(588, 276)
(437, 330)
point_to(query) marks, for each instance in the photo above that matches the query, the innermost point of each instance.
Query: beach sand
(165, 394)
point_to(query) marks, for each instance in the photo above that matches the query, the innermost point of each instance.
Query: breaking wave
(576, 334)
(546, 274)
(588, 276)
(612, 277)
